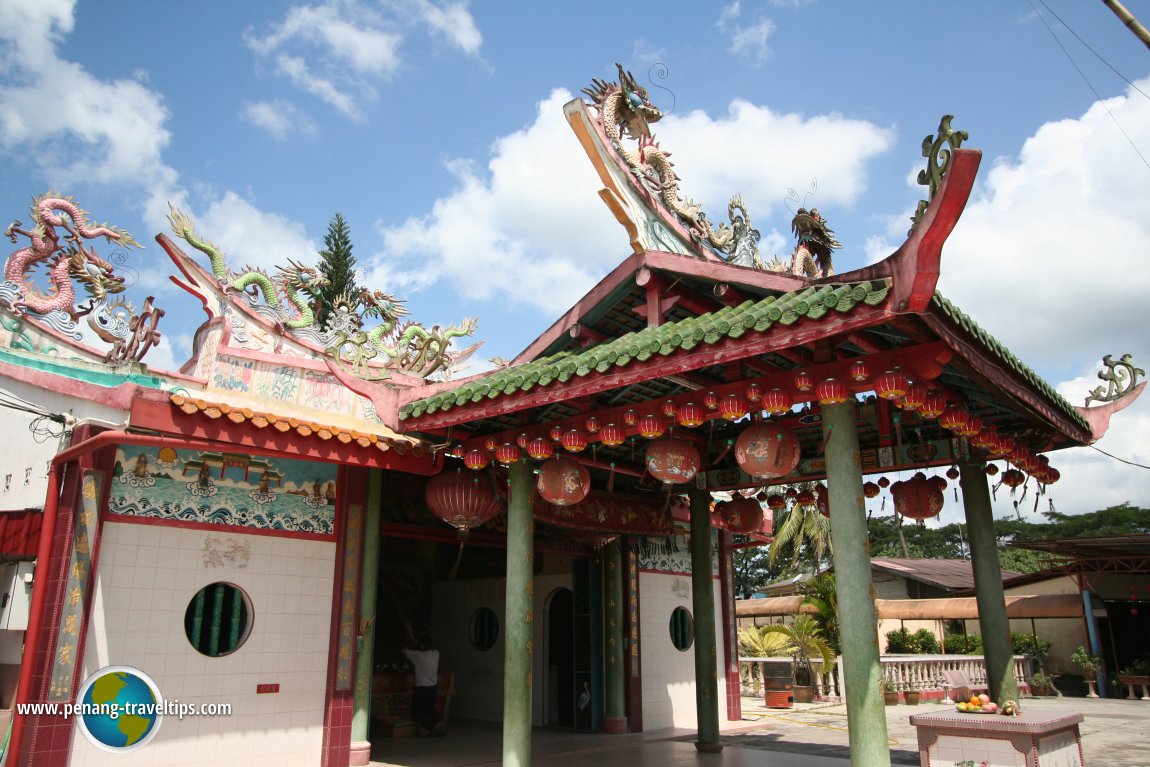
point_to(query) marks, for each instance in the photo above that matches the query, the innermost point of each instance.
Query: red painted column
(632, 657)
(730, 633)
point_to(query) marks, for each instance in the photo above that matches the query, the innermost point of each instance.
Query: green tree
(336, 267)
(754, 569)
(803, 534)
(820, 593)
(804, 643)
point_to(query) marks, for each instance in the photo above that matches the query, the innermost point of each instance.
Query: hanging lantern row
(461, 500)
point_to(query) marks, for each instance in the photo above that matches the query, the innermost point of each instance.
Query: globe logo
(120, 708)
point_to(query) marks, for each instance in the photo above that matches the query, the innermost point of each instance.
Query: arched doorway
(559, 660)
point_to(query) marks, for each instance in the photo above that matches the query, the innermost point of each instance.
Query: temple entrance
(559, 683)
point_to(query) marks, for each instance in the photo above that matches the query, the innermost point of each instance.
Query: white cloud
(454, 22)
(279, 118)
(749, 41)
(541, 220)
(254, 237)
(341, 50)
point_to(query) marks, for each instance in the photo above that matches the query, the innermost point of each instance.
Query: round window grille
(218, 619)
(682, 629)
(484, 628)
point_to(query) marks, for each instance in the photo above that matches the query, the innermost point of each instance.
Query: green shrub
(921, 642)
(963, 644)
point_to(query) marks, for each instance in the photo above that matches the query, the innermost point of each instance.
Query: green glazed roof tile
(811, 302)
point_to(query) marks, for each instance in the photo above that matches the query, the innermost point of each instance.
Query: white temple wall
(147, 574)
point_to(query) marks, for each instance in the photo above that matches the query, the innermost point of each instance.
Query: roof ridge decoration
(625, 110)
(938, 154)
(287, 303)
(56, 253)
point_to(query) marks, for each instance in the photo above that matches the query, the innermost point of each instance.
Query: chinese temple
(268, 525)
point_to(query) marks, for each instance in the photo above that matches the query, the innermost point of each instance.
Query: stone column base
(615, 725)
(360, 753)
(708, 748)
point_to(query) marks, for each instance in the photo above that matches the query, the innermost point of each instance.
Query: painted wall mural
(224, 489)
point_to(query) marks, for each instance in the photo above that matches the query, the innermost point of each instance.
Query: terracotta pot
(911, 697)
(890, 697)
(804, 693)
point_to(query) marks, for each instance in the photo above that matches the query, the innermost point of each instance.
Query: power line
(1085, 79)
(1096, 53)
(1116, 458)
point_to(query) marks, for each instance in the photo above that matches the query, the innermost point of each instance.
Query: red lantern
(475, 459)
(1012, 478)
(972, 426)
(691, 415)
(563, 481)
(804, 382)
(462, 501)
(556, 433)
(651, 426)
(832, 392)
(669, 408)
(733, 407)
(672, 460)
(985, 439)
(1052, 475)
(933, 405)
(522, 440)
(711, 401)
(754, 392)
(791, 493)
(777, 402)
(822, 500)
(871, 490)
(742, 515)
(490, 444)
(953, 418)
(859, 371)
(507, 454)
(612, 435)
(883, 482)
(591, 425)
(540, 448)
(939, 482)
(804, 498)
(917, 497)
(630, 417)
(891, 385)
(914, 398)
(574, 441)
(775, 501)
(952, 473)
(991, 470)
(767, 450)
(1002, 446)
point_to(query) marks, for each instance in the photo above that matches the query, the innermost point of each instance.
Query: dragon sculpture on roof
(816, 244)
(290, 300)
(625, 110)
(57, 252)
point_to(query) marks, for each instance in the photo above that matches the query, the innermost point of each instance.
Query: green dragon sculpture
(408, 348)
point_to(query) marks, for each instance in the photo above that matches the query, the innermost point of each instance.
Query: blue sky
(436, 129)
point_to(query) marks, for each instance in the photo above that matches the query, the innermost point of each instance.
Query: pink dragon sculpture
(57, 242)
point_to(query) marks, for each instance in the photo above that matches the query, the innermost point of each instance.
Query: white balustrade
(907, 672)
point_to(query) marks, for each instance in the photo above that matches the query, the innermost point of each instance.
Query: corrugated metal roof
(948, 574)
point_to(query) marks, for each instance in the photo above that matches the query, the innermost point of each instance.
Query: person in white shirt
(425, 662)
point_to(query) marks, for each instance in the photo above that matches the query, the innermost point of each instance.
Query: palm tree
(804, 642)
(820, 593)
(803, 529)
(757, 642)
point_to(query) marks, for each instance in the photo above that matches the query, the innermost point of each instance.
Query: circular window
(682, 629)
(218, 619)
(484, 628)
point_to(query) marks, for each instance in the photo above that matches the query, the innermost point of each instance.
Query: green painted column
(992, 620)
(615, 716)
(703, 601)
(519, 618)
(858, 621)
(365, 645)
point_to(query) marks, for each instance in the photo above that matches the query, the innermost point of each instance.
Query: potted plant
(1040, 683)
(911, 697)
(804, 643)
(890, 692)
(1137, 674)
(1089, 665)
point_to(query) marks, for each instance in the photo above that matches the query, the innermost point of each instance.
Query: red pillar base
(615, 725)
(360, 753)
